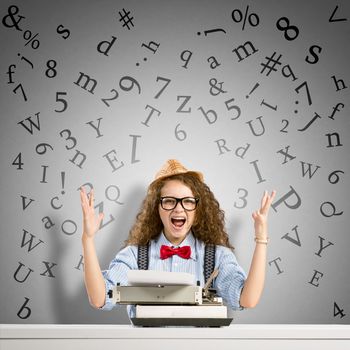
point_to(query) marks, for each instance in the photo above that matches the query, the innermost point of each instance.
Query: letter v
(25, 204)
(294, 241)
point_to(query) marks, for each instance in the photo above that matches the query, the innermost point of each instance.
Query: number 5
(61, 100)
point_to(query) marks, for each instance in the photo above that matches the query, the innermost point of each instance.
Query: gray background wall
(57, 135)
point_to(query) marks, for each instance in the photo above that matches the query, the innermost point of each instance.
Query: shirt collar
(189, 240)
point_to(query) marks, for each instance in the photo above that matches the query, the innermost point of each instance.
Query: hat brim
(197, 174)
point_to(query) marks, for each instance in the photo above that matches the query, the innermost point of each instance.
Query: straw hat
(174, 167)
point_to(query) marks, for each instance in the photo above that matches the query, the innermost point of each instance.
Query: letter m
(88, 80)
(246, 52)
(29, 241)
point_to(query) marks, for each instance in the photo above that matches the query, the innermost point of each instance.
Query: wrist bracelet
(262, 241)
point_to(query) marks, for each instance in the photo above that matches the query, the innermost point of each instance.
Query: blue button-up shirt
(228, 283)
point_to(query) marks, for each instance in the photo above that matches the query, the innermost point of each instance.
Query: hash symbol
(126, 19)
(270, 66)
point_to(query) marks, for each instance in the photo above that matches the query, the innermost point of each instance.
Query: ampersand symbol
(12, 11)
(215, 85)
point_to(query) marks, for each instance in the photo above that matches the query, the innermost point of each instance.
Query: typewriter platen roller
(171, 295)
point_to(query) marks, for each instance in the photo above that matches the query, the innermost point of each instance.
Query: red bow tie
(184, 252)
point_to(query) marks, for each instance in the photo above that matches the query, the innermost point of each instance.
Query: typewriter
(171, 299)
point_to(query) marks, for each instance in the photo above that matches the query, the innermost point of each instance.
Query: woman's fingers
(91, 221)
(91, 198)
(260, 216)
(264, 199)
(267, 201)
(87, 199)
(255, 215)
(100, 218)
(270, 199)
(83, 198)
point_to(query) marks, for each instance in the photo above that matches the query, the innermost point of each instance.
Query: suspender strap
(209, 261)
(142, 257)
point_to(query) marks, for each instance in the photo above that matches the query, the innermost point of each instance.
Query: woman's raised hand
(91, 221)
(260, 216)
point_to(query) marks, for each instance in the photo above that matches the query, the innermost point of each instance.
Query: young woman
(178, 218)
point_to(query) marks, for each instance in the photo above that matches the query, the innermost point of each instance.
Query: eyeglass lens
(188, 203)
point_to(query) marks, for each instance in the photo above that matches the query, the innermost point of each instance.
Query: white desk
(234, 337)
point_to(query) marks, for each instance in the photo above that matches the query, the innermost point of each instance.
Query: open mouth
(178, 222)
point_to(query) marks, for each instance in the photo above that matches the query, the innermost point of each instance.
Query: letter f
(10, 73)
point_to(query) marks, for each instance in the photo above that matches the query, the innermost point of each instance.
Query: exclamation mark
(253, 89)
(63, 178)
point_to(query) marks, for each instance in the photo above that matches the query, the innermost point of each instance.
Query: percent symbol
(253, 18)
(27, 36)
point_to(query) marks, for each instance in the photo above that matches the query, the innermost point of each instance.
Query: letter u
(18, 268)
(252, 129)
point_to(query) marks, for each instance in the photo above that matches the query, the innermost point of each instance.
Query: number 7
(22, 90)
(304, 84)
(163, 88)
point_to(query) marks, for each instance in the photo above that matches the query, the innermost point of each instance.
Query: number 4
(18, 161)
(337, 311)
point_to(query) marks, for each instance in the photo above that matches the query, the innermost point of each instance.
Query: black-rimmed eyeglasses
(170, 203)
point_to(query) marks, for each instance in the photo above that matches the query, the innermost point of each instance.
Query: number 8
(287, 28)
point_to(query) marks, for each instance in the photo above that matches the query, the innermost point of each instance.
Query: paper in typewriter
(164, 278)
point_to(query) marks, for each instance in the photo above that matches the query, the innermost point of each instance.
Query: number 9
(133, 82)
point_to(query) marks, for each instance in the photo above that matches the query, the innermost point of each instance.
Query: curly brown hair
(209, 222)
